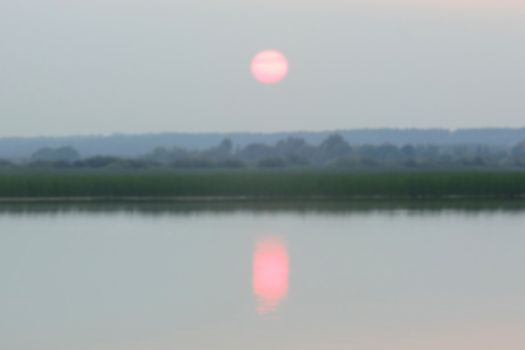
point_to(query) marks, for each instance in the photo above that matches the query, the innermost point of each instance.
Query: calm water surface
(396, 279)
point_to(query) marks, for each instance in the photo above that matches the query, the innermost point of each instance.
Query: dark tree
(332, 148)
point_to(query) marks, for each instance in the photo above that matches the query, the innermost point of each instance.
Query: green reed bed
(262, 184)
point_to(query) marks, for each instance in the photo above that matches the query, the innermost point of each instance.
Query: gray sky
(104, 66)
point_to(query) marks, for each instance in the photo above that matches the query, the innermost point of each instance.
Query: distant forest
(334, 151)
(132, 146)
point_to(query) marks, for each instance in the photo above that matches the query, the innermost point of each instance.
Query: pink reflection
(270, 273)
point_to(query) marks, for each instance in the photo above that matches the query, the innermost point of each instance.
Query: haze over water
(251, 279)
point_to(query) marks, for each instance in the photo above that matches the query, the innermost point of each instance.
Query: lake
(236, 277)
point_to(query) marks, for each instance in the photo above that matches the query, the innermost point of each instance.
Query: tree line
(292, 152)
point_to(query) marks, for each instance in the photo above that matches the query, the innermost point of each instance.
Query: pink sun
(269, 66)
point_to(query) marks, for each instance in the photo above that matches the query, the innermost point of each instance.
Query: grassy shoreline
(251, 185)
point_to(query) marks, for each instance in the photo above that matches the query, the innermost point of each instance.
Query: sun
(269, 66)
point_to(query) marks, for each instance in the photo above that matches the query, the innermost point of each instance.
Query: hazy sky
(103, 66)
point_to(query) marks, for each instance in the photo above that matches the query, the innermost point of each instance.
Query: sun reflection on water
(270, 273)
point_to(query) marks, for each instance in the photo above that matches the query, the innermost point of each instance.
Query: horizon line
(296, 131)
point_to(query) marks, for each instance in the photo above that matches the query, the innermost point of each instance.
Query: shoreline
(260, 186)
(257, 199)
